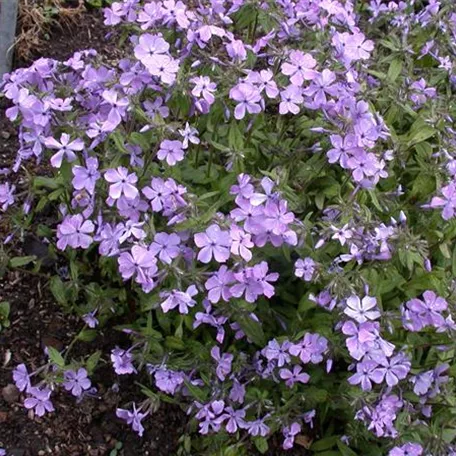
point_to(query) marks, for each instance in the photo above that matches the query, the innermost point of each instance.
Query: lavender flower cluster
(259, 177)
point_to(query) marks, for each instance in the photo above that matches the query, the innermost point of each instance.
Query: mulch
(91, 427)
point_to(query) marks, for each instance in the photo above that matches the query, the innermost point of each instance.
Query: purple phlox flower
(417, 313)
(175, 12)
(447, 201)
(171, 151)
(264, 80)
(362, 310)
(75, 232)
(381, 419)
(39, 400)
(392, 370)
(275, 351)
(343, 149)
(224, 361)
(133, 418)
(241, 243)
(357, 340)
(305, 268)
(321, 86)
(237, 392)
(122, 361)
(6, 195)
(118, 107)
(155, 107)
(219, 284)
(248, 213)
(133, 76)
(357, 47)
(130, 230)
(166, 246)
(108, 236)
(234, 419)
(139, 261)
(244, 189)
(309, 417)
(257, 427)
(76, 381)
(236, 50)
(21, 377)
(254, 282)
(150, 47)
(122, 183)
(310, 349)
(248, 98)
(299, 67)
(363, 165)
(267, 185)
(208, 416)
(209, 319)
(448, 325)
(278, 217)
(294, 376)
(65, 148)
(324, 299)
(86, 177)
(291, 99)
(158, 193)
(409, 449)
(204, 88)
(365, 374)
(181, 299)
(342, 234)
(356, 253)
(168, 381)
(289, 433)
(421, 93)
(90, 320)
(190, 135)
(213, 243)
(367, 132)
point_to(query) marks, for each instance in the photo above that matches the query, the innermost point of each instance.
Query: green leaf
(325, 443)
(92, 361)
(345, 450)
(419, 132)
(196, 392)
(445, 249)
(253, 329)
(46, 182)
(5, 309)
(453, 262)
(17, 262)
(58, 290)
(395, 69)
(175, 343)
(261, 444)
(56, 357)
(87, 335)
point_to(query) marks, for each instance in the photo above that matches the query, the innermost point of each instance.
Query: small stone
(10, 393)
(5, 134)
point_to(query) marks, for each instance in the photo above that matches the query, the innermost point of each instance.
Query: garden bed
(90, 428)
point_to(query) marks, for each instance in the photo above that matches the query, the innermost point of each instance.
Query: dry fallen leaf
(304, 441)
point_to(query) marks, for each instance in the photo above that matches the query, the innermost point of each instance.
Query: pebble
(10, 393)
